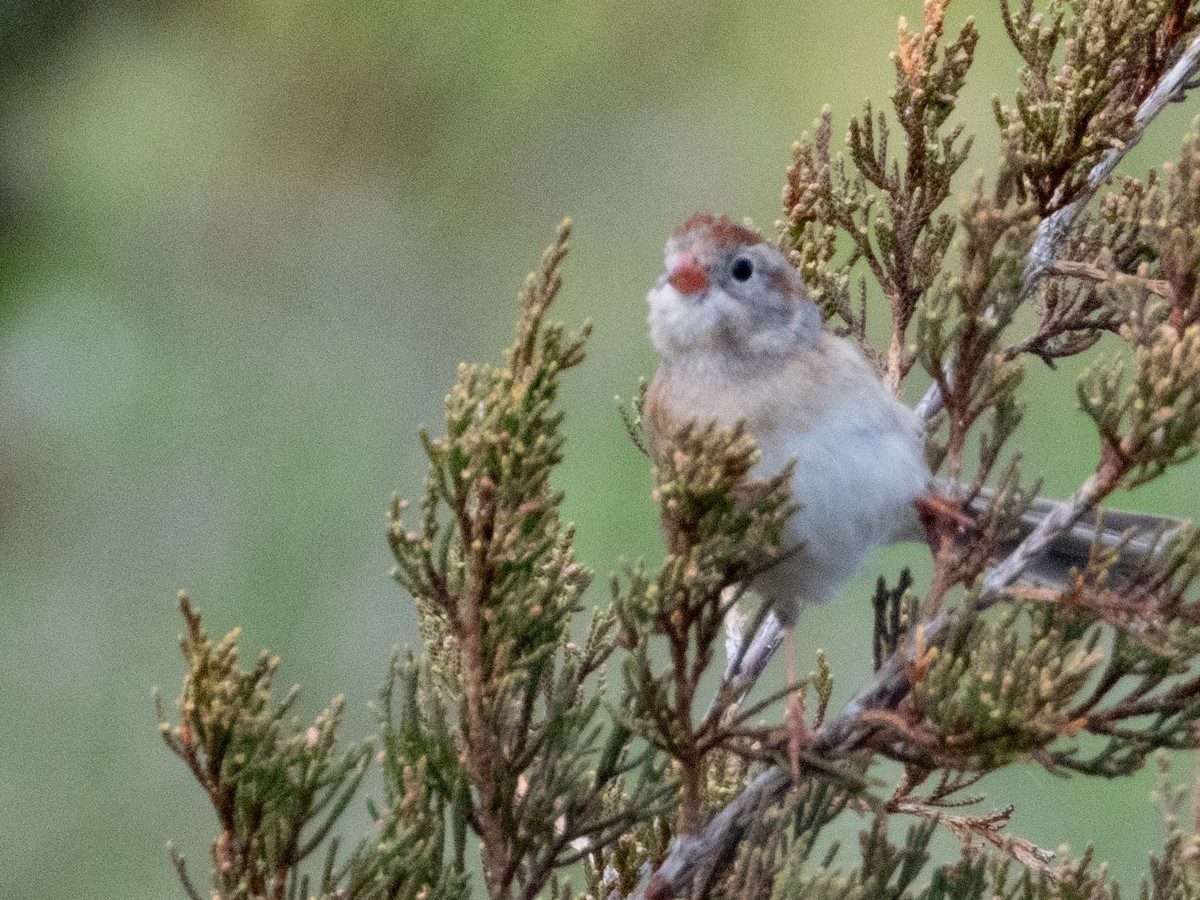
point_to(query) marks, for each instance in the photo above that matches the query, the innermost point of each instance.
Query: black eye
(742, 269)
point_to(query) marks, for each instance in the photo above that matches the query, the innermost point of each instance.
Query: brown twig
(1091, 272)
(476, 534)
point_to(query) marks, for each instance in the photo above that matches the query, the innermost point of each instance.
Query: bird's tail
(1129, 538)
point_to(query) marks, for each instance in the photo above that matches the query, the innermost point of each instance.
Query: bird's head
(727, 293)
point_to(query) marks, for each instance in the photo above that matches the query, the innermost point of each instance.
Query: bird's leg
(937, 511)
(798, 733)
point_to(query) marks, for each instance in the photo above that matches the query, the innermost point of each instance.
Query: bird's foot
(938, 512)
(798, 732)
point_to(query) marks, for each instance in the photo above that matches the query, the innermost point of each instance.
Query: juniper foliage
(275, 785)
(509, 756)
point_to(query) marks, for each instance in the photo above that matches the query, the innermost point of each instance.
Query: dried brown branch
(1093, 272)
(989, 827)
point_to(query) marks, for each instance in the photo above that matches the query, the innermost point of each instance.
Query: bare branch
(744, 670)
(713, 845)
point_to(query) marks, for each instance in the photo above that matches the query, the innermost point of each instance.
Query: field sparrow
(739, 338)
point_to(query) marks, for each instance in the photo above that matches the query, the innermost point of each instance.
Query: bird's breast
(858, 456)
(772, 402)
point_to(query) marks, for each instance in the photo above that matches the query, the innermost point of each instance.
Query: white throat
(715, 328)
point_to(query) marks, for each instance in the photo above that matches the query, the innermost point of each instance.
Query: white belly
(855, 484)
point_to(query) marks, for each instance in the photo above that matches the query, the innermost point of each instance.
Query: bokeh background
(242, 247)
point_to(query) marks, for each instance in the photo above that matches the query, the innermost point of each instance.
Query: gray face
(761, 280)
(752, 305)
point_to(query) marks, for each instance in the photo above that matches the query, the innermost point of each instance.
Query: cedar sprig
(505, 713)
(887, 870)
(1088, 65)
(276, 785)
(1014, 869)
(895, 611)
(990, 692)
(1147, 409)
(722, 528)
(617, 867)
(888, 208)
(960, 324)
(995, 691)
(779, 836)
(407, 859)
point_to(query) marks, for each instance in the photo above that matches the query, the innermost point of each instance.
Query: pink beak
(689, 278)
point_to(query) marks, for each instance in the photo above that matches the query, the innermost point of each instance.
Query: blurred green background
(244, 244)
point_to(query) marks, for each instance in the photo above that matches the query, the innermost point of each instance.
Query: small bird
(739, 338)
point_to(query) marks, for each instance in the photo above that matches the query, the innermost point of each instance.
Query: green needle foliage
(275, 785)
(1049, 634)
(721, 527)
(1002, 688)
(525, 755)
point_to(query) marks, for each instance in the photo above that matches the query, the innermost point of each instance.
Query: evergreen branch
(717, 841)
(852, 727)
(498, 727)
(499, 717)
(343, 802)
(1058, 521)
(267, 777)
(1053, 231)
